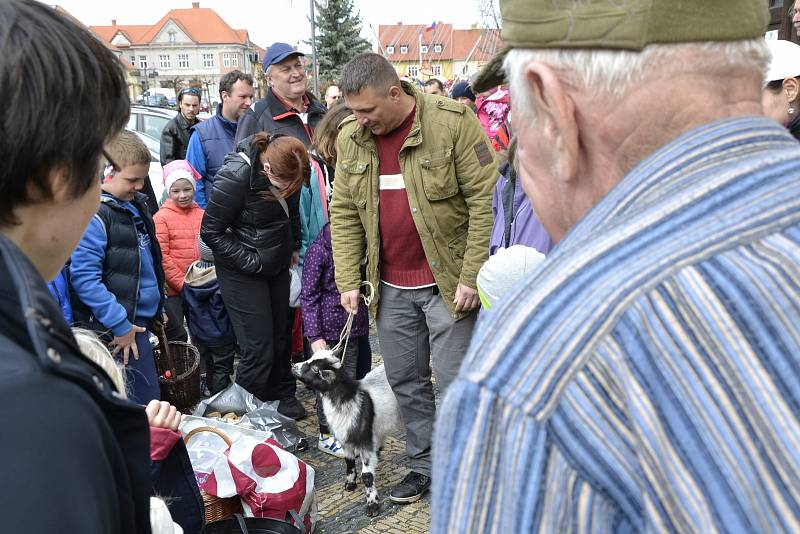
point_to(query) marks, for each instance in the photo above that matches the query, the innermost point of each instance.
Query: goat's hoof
(350, 486)
(373, 509)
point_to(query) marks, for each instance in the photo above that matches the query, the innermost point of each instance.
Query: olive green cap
(620, 24)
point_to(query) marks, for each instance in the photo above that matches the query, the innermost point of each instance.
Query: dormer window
(437, 49)
(390, 49)
(423, 49)
(404, 49)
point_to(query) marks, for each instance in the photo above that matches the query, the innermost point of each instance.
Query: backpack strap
(508, 203)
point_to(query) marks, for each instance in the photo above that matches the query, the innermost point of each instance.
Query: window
(183, 61)
(465, 69)
(226, 59)
(404, 49)
(172, 37)
(133, 61)
(154, 125)
(437, 49)
(390, 49)
(436, 70)
(413, 71)
(164, 62)
(142, 62)
(235, 59)
(423, 49)
(208, 60)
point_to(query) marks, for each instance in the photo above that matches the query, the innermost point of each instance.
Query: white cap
(504, 270)
(785, 60)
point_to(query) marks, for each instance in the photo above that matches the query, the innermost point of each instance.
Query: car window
(153, 125)
(132, 121)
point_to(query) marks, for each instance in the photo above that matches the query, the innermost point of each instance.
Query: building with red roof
(192, 45)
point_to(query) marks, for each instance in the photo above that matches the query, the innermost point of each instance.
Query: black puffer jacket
(73, 456)
(247, 232)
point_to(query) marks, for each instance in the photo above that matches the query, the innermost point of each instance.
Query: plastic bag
(257, 415)
(296, 275)
(269, 480)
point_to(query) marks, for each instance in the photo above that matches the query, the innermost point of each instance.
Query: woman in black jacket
(252, 225)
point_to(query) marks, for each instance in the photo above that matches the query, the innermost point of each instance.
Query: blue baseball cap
(277, 52)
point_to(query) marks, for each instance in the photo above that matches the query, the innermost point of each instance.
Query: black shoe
(410, 489)
(291, 408)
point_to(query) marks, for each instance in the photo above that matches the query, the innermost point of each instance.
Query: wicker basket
(182, 360)
(217, 508)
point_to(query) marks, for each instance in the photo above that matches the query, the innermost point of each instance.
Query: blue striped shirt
(647, 376)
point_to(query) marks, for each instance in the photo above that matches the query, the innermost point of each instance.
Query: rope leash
(344, 336)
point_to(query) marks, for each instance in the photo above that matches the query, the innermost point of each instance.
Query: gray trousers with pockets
(416, 333)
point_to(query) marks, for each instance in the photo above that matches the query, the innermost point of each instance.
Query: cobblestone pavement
(341, 511)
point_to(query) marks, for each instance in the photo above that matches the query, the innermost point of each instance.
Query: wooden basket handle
(211, 429)
(161, 334)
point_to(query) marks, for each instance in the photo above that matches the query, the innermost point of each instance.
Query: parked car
(149, 120)
(156, 173)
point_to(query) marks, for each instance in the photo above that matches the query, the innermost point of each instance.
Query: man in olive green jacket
(427, 163)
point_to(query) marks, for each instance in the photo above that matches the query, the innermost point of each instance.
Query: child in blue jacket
(116, 271)
(209, 325)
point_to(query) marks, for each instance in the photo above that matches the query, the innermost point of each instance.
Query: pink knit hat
(177, 170)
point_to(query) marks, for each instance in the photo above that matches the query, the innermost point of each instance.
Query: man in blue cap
(288, 108)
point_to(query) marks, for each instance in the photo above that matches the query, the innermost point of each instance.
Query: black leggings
(259, 311)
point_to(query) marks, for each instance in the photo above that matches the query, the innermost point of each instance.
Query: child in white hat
(177, 229)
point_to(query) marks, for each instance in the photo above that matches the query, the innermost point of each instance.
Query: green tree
(338, 37)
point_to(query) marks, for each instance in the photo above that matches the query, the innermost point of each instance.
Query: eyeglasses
(109, 165)
(189, 91)
(109, 162)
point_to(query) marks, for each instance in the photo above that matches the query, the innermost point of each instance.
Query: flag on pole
(431, 27)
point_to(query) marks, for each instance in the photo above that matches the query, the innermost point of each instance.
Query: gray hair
(614, 73)
(367, 70)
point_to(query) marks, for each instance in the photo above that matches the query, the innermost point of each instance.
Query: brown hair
(327, 130)
(288, 159)
(127, 149)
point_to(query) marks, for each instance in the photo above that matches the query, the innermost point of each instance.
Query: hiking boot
(410, 489)
(328, 443)
(291, 408)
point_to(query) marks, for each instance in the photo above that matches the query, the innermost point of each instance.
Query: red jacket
(177, 230)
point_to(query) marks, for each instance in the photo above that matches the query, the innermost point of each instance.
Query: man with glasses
(175, 135)
(74, 456)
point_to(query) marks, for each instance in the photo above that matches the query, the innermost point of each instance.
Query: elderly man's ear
(556, 120)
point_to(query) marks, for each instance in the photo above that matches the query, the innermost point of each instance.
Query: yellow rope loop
(344, 336)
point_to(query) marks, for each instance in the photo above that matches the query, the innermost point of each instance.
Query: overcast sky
(276, 20)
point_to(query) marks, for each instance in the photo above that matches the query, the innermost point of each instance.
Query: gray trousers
(416, 333)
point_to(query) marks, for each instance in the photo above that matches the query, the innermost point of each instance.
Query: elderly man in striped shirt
(646, 378)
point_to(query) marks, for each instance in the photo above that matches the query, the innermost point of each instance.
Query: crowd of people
(586, 302)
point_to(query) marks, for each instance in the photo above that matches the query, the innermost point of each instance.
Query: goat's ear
(328, 376)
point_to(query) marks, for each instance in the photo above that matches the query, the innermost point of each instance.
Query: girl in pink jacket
(177, 229)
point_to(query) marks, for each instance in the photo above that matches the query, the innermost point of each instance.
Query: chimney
(195, 5)
(113, 22)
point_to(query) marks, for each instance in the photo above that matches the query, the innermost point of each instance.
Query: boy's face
(182, 193)
(126, 183)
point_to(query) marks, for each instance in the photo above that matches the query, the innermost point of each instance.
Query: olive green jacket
(449, 171)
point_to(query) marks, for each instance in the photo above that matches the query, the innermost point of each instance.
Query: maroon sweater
(403, 261)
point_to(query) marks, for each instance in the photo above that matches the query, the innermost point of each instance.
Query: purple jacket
(525, 226)
(323, 315)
